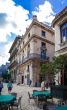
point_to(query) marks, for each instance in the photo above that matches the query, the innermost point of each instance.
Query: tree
(7, 75)
(47, 69)
(60, 63)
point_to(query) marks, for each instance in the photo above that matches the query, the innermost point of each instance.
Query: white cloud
(4, 55)
(44, 12)
(15, 20)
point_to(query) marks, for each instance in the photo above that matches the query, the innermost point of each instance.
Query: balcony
(63, 44)
(43, 48)
(34, 56)
(13, 53)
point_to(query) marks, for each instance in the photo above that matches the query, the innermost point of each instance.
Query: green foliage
(55, 66)
(47, 68)
(7, 75)
(60, 62)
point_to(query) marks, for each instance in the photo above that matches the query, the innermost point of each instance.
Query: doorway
(22, 79)
(64, 77)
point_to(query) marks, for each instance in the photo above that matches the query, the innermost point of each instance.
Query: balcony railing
(34, 56)
(43, 48)
(13, 53)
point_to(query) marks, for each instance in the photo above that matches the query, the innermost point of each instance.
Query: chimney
(34, 17)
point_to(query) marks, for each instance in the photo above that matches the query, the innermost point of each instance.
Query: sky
(16, 15)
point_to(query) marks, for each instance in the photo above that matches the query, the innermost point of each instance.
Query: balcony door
(43, 54)
(28, 50)
(43, 50)
(22, 79)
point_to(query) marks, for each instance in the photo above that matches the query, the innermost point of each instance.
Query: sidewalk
(23, 90)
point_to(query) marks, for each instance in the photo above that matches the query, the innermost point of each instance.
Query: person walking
(1, 86)
(9, 86)
(42, 85)
(30, 81)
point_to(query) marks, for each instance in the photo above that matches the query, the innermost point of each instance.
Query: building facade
(60, 26)
(35, 47)
(13, 57)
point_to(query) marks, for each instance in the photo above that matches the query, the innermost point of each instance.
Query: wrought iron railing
(13, 53)
(34, 56)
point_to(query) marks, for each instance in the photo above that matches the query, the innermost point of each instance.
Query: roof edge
(60, 14)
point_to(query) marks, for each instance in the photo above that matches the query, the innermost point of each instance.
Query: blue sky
(16, 15)
(30, 5)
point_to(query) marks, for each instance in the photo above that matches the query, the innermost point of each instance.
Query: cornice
(59, 16)
(38, 37)
(44, 39)
(61, 50)
(15, 41)
(39, 24)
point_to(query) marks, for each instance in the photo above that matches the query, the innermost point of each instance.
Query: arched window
(63, 31)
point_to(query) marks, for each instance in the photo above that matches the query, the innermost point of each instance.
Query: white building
(60, 26)
(35, 47)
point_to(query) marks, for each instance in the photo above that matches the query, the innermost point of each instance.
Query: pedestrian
(9, 86)
(46, 84)
(1, 86)
(42, 85)
(30, 82)
(45, 106)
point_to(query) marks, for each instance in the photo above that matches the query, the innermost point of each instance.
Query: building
(60, 26)
(13, 57)
(35, 47)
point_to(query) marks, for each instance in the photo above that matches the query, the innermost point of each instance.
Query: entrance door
(22, 79)
(64, 77)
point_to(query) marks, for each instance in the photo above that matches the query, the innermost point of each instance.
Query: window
(28, 45)
(22, 57)
(23, 42)
(43, 44)
(43, 33)
(23, 51)
(63, 32)
(28, 69)
(28, 35)
(20, 46)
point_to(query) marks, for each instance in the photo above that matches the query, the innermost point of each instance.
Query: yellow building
(60, 25)
(35, 47)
